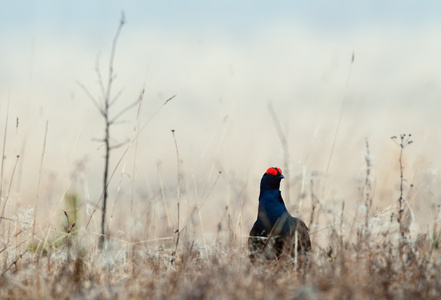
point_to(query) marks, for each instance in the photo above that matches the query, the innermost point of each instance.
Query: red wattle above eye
(273, 171)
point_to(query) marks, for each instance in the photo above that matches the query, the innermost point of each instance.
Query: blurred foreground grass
(369, 261)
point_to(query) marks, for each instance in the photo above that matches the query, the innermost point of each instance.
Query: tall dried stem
(403, 142)
(4, 144)
(178, 189)
(39, 181)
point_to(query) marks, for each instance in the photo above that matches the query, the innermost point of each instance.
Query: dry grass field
(360, 250)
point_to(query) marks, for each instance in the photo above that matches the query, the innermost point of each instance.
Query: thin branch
(100, 78)
(112, 55)
(166, 101)
(98, 140)
(98, 107)
(14, 263)
(116, 97)
(119, 122)
(123, 111)
(123, 155)
(119, 145)
(15, 221)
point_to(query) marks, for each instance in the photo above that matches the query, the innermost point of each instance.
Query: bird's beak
(281, 176)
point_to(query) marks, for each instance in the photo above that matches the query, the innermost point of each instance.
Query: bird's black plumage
(275, 230)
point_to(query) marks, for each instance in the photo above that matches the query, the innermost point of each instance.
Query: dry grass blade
(9, 189)
(39, 180)
(178, 190)
(4, 143)
(337, 129)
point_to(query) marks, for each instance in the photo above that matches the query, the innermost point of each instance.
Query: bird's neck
(269, 185)
(271, 204)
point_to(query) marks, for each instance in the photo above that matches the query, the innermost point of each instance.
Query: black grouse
(275, 229)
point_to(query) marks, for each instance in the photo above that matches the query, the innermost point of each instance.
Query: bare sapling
(103, 105)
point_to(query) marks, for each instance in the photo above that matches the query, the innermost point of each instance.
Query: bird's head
(271, 178)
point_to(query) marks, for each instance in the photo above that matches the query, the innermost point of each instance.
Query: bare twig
(100, 79)
(123, 111)
(116, 97)
(113, 147)
(86, 91)
(178, 191)
(14, 263)
(107, 134)
(105, 113)
(313, 203)
(103, 109)
(112, 56)
(123, 155)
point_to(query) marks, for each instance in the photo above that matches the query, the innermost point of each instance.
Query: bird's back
(273, 241)
(296, 227)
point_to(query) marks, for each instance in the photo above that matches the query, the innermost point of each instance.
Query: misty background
(225, 62)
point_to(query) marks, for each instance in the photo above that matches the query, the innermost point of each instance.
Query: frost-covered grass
(375, 263)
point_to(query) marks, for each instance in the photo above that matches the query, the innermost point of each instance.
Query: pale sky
(225, 61)
(64, 16)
